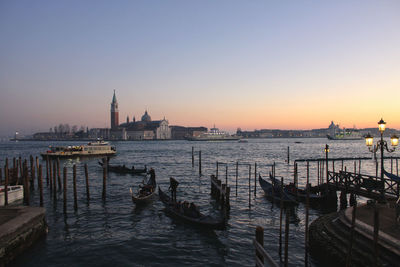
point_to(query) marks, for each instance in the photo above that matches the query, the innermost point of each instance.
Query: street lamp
(381, 144)
(326, 150)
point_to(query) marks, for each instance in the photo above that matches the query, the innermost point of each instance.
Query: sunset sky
(248, 64)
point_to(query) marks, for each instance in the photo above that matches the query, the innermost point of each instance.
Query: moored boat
(176, 210)
(14, 193)
(92, 149)
(124, 169)
(274, 193)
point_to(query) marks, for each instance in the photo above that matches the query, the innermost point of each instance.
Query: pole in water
(200, 162)
(226, 175)
(237, 174)
(249, 186)
(255, 178)
(65, 189)
(192, 157)
(87, 182)
(74, 185)
(58, 173)
(288, 155)
(40, 184)
(104, 181)
(6, 183)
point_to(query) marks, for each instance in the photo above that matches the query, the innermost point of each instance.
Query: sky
(248, 64)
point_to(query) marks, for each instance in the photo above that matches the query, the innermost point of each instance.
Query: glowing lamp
(382, 125)
(369, 140)
(394, 140)
(326, 148)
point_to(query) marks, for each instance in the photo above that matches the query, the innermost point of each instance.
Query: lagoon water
(116, 233)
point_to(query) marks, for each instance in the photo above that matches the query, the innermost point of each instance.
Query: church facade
(145, 129)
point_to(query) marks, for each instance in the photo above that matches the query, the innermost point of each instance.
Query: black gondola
(123, 169)
(273, 193)
(176, 210)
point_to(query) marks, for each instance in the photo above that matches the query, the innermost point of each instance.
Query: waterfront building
(180, 132)
(146, 129)
(114, 113)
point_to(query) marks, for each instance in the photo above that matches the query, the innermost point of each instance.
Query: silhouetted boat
(123, 169)
(145, 193)
(174, 209)
(273, 192)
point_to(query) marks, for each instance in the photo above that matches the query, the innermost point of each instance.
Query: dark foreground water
(116, 233)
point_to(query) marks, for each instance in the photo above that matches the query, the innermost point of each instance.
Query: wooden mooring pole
(40, 184)
(104, 180)
(226, 174)
(74, 185)
(192, 157)
(65, 189)
(87, 182)
(200, 162)
(50, 175)
(249, 187)
(26, 184)
(288, 155)
(6, 183)
(255, 179)
(47, 170)
(237, 174)
(32, 176)
(58, 173)
(55, 179)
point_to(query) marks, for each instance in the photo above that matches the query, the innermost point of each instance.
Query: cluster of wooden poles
(221, 193)
(20, 173)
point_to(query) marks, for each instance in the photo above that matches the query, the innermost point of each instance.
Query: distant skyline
(247, 64)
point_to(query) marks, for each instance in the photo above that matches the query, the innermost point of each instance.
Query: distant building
(114, 113)
(180, 132)
(146, 129)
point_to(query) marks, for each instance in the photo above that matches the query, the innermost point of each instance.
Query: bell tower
(114, 112)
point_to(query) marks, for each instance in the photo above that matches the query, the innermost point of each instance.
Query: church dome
(146, 117)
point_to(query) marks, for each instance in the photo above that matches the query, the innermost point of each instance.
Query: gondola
(201, 220)
(299, 193)
(144, 195)
(273, 193)
(123, 169)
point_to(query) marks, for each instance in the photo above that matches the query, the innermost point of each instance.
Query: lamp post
(326, 156)
(381, 144)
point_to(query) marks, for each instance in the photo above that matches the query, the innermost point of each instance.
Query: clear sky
(248, 64)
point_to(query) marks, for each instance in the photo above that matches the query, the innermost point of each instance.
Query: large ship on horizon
(346, 134)
(214, 135)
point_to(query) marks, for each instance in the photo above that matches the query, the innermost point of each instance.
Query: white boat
(15, 193)
(92, 149)
(214, 135)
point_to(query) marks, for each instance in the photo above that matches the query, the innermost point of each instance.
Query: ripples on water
(117, 233)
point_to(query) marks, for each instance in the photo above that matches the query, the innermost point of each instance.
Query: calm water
(117, 233)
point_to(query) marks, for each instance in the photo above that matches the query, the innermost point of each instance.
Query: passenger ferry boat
(214, 135)
(92, 149)
(346, 134)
